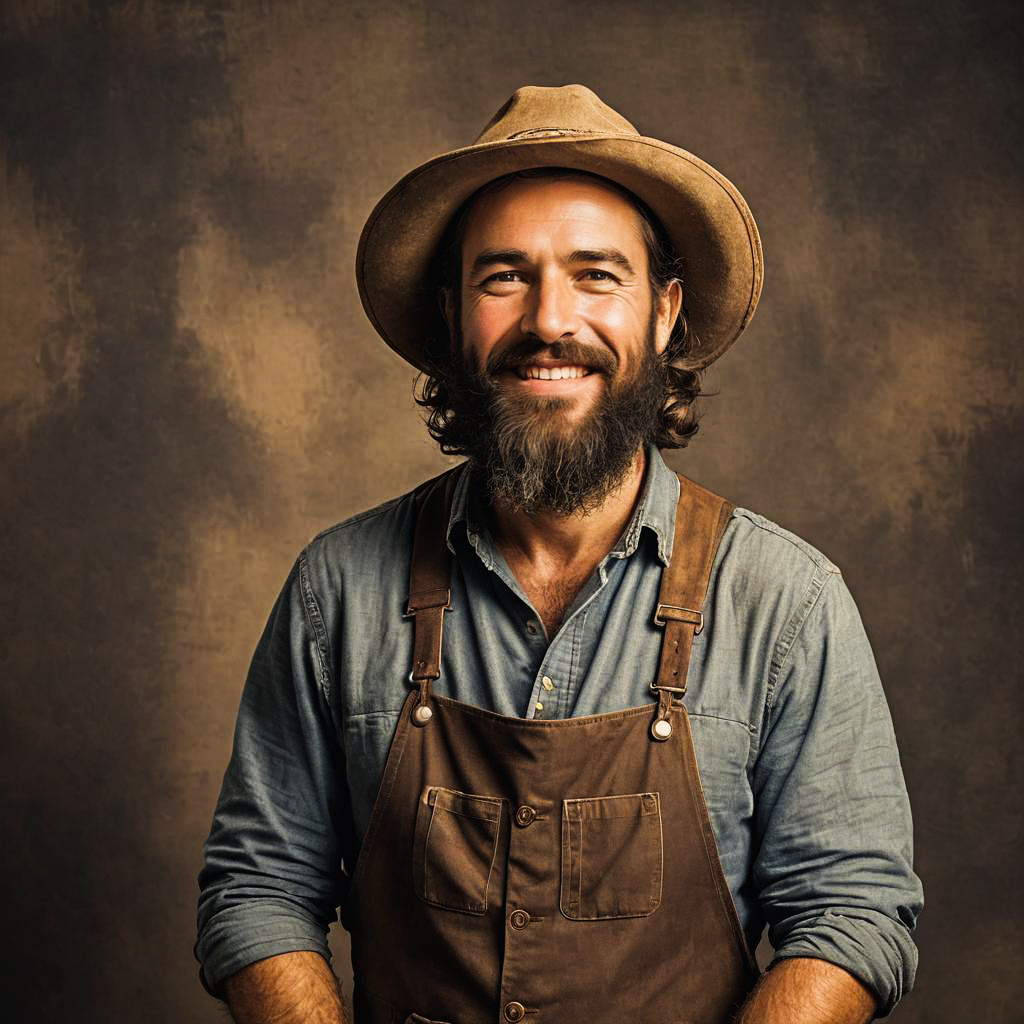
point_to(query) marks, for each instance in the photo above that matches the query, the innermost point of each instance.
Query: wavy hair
(438, 386)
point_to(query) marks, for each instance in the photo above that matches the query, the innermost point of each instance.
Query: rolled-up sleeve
(270, 881)
(833, 827)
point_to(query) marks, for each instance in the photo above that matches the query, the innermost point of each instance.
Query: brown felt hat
(707, 220)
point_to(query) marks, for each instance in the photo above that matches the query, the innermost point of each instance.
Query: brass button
(514, 1012)
(662, 729)
(525, 815)
(519, 919)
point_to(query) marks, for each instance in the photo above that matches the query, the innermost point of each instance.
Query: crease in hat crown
(707, 220)
(536, 112)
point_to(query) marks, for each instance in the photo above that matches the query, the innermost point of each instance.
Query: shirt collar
(655, 511)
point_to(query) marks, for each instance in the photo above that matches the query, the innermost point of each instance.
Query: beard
(525, 448)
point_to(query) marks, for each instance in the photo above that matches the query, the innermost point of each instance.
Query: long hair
(678, 418)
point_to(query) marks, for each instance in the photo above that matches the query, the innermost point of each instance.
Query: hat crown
(538, 112)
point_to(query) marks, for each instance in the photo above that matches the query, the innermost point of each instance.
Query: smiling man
(558, 328)
(560, 732)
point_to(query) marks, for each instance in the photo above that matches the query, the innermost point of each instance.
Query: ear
(668, 304)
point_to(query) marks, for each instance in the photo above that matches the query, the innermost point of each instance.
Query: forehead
(552, 213)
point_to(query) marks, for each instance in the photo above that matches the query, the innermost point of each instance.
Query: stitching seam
(316, 625)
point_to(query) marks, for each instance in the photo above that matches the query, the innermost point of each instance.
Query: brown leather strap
(701, 519)
(430, 593)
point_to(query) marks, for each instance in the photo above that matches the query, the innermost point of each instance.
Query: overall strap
(701, 519)
(430, 592)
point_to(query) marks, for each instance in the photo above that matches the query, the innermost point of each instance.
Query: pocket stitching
(433, 791)
(573, 824)
(479, 909)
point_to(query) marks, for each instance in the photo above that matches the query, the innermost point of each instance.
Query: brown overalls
(547, 871)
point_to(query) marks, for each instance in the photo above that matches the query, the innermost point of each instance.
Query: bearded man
(560, 731)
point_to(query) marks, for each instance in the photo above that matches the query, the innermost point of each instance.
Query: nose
(551, 313)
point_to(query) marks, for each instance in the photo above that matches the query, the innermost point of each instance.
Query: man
(560, 731)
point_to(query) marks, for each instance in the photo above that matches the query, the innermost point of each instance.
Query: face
(556, 380)
(555, 303)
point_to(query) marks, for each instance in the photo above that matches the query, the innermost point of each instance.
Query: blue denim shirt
(792, 732)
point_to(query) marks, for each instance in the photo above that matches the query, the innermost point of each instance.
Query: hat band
(544, 133)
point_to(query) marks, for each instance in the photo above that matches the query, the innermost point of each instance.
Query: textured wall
(189, 390)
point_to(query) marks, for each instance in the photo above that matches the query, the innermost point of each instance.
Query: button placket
(529, 845)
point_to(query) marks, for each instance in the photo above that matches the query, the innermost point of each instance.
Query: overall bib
(547, 871)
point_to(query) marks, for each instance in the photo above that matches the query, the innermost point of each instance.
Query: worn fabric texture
(505, 891)
(190, 391)
(792, 734)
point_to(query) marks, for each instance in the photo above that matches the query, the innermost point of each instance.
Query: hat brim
(707, 220)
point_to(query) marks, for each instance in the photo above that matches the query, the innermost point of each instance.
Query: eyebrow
(517, 257)
(612, 256)
(495, 257)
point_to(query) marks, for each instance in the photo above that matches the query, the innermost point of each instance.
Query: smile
(534, 372)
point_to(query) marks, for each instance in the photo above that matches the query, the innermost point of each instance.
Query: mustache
(520, 352)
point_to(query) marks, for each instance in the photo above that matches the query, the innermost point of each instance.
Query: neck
(549, 539)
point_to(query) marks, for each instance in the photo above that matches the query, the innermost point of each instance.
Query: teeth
(551, 372)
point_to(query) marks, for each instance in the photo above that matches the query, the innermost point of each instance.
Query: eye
(503, 282)
(598, 278)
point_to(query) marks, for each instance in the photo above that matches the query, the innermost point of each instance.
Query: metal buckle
(697, 620)
(446, 604)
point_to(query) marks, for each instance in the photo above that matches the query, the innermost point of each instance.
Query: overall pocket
(612, 857)
(456, 842)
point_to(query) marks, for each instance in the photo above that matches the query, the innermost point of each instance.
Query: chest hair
(552, 596)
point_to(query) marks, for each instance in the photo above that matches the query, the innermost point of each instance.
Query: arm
(803, 991)
(293, 988)
(271, 878)
(831, 815)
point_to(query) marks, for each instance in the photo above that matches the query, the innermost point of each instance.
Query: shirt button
(531, 627)
(546, 683)
(525, 815)
(514, 1012)
(519, 919)
(539, 706)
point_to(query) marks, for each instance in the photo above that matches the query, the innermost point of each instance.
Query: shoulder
(372, 546)
(769, 580)
(373, 528)
(362, 548)
(757, 544)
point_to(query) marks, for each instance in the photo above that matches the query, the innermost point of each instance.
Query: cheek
(484, 323)
(617, 321)
(487, 316)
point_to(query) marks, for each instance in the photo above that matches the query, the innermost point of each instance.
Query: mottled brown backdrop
(189, 391)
